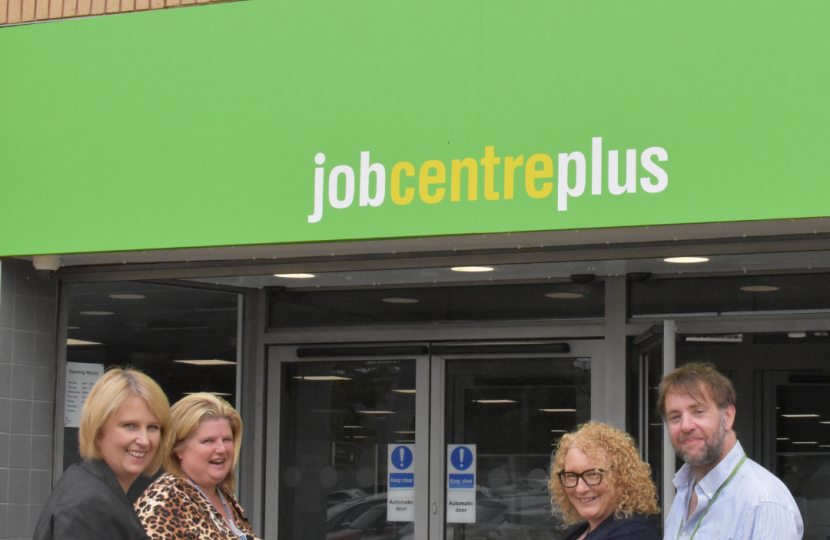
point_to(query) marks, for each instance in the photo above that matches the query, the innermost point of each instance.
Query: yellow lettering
(488, 161)
(409, 193)
(510, 164)
(531, 174)
(425, 180)
(472, 179)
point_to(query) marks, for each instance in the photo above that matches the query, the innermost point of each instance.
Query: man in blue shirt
(721, 494)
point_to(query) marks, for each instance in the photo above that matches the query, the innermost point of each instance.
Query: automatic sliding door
(339, 422)
(508, 414)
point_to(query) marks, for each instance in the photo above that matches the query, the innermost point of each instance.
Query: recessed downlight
(472, 269)
(400, 300)
(564, 295)
(805, 442)
(295, 276)
(800, 415)
(686, 260)
(492, 401)
(797, 335)
(759, 288)
(558, 410)
(406, 391)
(211, 362)
(782, 439)
(127, 296)
(97, 313)
(75, 342)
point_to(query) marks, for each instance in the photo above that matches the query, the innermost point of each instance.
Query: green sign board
(263, 121)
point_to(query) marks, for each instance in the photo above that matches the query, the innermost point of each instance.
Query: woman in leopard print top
(194, 500)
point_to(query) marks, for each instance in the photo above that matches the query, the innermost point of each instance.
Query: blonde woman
(123, 422)
(195, 499)
(599, 484)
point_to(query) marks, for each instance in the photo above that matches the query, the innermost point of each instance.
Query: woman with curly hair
(599, 484)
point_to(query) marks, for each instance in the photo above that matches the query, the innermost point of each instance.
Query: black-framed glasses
(591, 477)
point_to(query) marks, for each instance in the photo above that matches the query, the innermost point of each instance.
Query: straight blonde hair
(107, 395)
(188, 413)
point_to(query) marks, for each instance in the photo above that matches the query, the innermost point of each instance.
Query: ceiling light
(494, 401)
(759, 288)
(737, 338)
(359, 437)
(71, 341)
(558, 410)
(472, 268)
(800, 415)
(97, 313)
(127, 296)
(797, 335)
(805, 442)
(405, 432)
(213, 362)
(294, 276)
(375, 412)
(686, 260)
(824, 422)
(404, 391)
(782, 439)
(400, 300)
(220, 394)
(322, 378)
(564, 295)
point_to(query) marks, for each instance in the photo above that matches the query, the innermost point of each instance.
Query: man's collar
(717, 476)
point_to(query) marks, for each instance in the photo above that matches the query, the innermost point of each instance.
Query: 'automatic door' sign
(400, 501)
(461, 483)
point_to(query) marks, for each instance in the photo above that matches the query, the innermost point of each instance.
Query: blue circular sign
(401, 458)
(461, 458)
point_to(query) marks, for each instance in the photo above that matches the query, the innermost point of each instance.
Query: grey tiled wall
(28, 322)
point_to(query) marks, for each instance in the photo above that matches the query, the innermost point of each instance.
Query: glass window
(291, 308)
(731, 295)
(186, 339)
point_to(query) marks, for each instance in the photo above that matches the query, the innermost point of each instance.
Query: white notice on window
(80, 379)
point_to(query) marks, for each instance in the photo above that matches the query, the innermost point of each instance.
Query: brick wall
(28, 359)
(24, 11)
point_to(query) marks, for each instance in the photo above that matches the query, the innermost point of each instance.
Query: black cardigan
(88, 503)
(636, 527)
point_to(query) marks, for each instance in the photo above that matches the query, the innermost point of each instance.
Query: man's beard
(712, 451)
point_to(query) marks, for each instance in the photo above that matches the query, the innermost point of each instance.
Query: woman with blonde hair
(195, 499)
(599, 484)
(123, 422)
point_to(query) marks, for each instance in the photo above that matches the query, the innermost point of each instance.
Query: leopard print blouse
(173, 509)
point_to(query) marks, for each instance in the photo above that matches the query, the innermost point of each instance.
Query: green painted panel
(200, 126)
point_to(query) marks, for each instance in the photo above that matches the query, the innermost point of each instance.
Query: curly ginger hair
(629, 479)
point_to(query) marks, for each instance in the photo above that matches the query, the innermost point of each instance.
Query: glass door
(418, 442)
(798, 419)
(349, 447)
(496, 418)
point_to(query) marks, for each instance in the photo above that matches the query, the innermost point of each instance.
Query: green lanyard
(711, 502)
